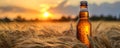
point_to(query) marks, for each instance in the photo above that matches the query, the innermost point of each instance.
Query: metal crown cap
(84, 3)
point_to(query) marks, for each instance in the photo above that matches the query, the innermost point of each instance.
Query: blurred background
(62, 10)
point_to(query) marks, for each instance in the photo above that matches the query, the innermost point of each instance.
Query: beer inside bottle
(84, 26)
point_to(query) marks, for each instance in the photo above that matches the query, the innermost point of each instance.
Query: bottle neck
(83, 6)
(83, 15)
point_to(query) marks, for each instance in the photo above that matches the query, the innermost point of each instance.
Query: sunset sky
(56, 8)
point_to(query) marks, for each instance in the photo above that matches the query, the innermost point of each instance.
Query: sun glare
(46, 14)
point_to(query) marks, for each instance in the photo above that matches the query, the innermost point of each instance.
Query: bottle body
(83, 31)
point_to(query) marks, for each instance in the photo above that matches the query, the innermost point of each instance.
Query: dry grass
(22, 35)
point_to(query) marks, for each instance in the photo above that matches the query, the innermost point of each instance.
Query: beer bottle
(84, 26)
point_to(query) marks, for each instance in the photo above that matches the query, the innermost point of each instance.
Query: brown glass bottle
(84, 26)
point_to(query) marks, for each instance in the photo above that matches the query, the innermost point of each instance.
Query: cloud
(16, 9)
(102, 1)
(104, 8)
(65, 10)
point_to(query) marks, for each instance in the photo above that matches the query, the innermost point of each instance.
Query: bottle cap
(83, 3)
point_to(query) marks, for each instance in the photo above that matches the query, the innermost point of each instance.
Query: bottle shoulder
(84, 22)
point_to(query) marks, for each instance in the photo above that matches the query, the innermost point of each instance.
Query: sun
(46, 14)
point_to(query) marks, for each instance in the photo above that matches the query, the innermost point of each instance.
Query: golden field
(57, 35)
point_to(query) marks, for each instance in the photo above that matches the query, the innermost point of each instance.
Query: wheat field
(57, 35)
